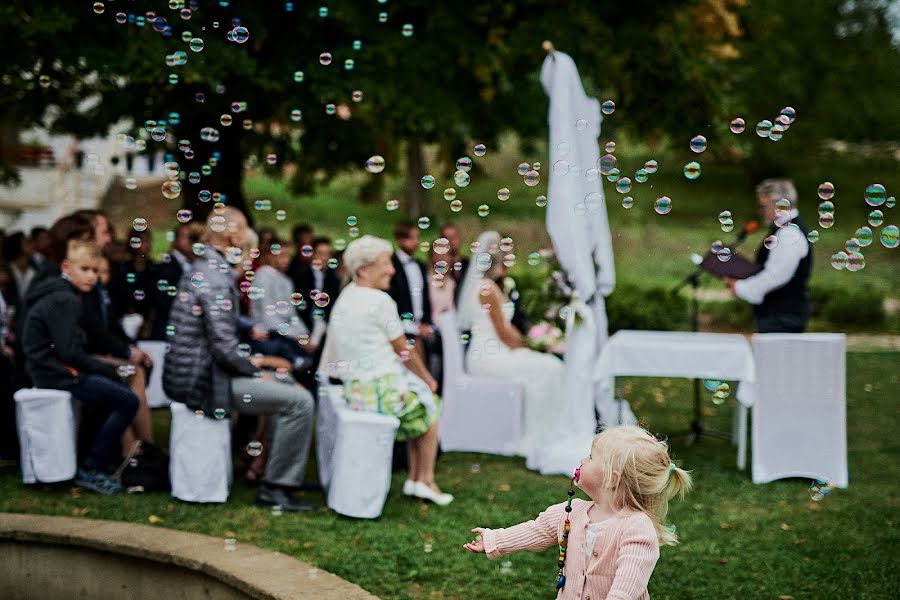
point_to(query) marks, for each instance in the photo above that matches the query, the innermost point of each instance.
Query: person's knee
(302, 401)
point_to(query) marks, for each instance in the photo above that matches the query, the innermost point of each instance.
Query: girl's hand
(476, 546)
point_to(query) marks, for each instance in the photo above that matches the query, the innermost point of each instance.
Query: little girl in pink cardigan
(613, 542)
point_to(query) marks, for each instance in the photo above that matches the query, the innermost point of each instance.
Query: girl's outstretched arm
(535, 535)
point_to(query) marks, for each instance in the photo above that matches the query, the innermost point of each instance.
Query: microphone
(749, 228)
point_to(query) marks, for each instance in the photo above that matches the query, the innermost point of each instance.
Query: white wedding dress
(540, 373)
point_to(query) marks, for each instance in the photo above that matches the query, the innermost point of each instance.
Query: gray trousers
(290, 426)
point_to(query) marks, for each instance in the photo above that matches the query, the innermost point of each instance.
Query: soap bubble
(875, 194)
(852, 245)
(456, 205)
(613, 174)
(480, 150)
(464, 163)
(839, 260)
(819, 489)
(441, 246)
(890, 202)
(534, 259)
(610, 147)
(698, 144)
(139, 224)
(770, 242)
(532, 178)
(254, 448)
(876, 218)
(826, 190)
(449, 194)
(351, 220)
(407, 30)
(890, 236)
(523, 168)
(484, 210)
(428, 182)
(608, 107)
(375, 164)
(777, 132)
(692, 170)
(541, 201)
(651, 166)
(581, 124)
(763, 128)
(561, 167)
(812, 236)
(627, 202)
(424, 222)
(789, 113)
(663, 205)
(641, 175)
(196, 44)
(623, 185)
(606, 163)
(724, 216)
(171, 189)
(864, 236)
(299, 76)
(855, 262)
(325, 58)
(461, 178)
(826, 208)
(737, 125)
(503, 194)
(724, 254)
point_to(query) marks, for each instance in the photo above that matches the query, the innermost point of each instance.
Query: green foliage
(738, 540)
(637, 307)
(860, 305)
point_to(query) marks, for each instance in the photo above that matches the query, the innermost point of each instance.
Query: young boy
(55, 358)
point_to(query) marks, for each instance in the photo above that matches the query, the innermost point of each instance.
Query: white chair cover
(200, 456)
(799, 418)
(156, 397)
(361, 463)
(331, 401)
(471, 401)
(47, 435)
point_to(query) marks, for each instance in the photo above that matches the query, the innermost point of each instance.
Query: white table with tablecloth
(718, 356)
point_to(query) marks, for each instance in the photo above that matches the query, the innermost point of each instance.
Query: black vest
(792, 298)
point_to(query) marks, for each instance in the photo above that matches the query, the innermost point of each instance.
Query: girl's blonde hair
(648, 478)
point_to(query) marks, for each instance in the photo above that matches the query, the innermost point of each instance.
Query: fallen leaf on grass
(814, 506)
(722, 561)
(785, 527)
(308, 544)
(799, 541)
(725, 526)
(80, 512)
(504, 487)
(785, 597)
(170, 507)
(154, 519)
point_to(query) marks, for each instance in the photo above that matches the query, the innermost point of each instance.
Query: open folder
(737, 266)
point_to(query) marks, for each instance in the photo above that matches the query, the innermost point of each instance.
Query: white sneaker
(409, 487)
(421, 490)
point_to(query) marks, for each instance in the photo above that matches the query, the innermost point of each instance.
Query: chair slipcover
(470, 401)
(131, 324)
(200, 456)
(799, 418)
(47, 435)
(156, 397)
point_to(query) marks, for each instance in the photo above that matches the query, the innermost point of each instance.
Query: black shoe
(312, 486)
(270, 496)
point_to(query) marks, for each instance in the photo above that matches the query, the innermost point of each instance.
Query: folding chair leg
(743, 413)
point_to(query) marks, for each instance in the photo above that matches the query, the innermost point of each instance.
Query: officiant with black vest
(778, 292)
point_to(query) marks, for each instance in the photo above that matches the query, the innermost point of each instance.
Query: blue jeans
(119, 401)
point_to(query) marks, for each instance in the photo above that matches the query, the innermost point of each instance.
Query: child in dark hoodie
(55, 358)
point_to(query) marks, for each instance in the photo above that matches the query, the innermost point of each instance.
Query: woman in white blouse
(367, 350)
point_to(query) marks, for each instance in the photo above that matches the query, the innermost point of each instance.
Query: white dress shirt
(416, 284)
(318, 279)
(781, 265)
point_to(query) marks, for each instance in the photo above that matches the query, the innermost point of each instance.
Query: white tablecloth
(721, 356)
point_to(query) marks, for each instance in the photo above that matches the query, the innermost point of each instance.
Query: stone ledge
(253, 571)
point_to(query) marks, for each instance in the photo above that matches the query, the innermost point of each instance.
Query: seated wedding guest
(409, 287)
(273, 311)
(206, 370)
(318, 277)
(441, 285)
(57, 358)
(175, 263)
(366, 349)
(266, 235)
(135, 376)
(779, 293)
(450, 232)
(496, 348)
(131, 286)
(17, 251)
(40, 241)
(9, 447)
(302, 237)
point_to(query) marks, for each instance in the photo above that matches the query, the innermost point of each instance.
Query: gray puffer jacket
(203, 354)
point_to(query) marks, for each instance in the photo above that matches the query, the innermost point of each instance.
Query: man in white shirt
(778, 293)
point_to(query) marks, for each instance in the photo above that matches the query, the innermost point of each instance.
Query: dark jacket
(401, 293)
(125, 294)
(304, 282)
(101, 327)
(167, 274)
(203, 354)
(53, 340)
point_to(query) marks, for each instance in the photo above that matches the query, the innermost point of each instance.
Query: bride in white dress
(496, 347)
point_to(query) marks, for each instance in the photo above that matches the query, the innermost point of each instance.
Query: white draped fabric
(578, 225)
(468, 305)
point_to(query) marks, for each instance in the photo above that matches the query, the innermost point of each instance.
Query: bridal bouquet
(546, 337)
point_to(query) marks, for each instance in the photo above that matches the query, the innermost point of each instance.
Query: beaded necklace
(564, 542)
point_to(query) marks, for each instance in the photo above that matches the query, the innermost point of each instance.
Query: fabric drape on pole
(578, 226)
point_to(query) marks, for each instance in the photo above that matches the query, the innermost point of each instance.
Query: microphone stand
(693, 278)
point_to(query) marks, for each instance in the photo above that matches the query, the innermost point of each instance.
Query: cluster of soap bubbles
(721, 390)
(775, 131)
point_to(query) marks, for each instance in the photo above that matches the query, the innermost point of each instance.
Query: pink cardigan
(625, 551)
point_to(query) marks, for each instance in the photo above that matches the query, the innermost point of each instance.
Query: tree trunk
(416, 198)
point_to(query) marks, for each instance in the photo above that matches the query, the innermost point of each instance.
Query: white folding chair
(799, 416)
(354, 452)
(473, 402)
(47, 435)
(156, 396)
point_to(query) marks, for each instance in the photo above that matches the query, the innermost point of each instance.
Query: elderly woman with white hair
(366, 349)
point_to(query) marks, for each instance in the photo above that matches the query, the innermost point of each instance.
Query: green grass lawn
(739, 540)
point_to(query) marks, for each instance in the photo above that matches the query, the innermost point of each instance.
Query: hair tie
(671, 470)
